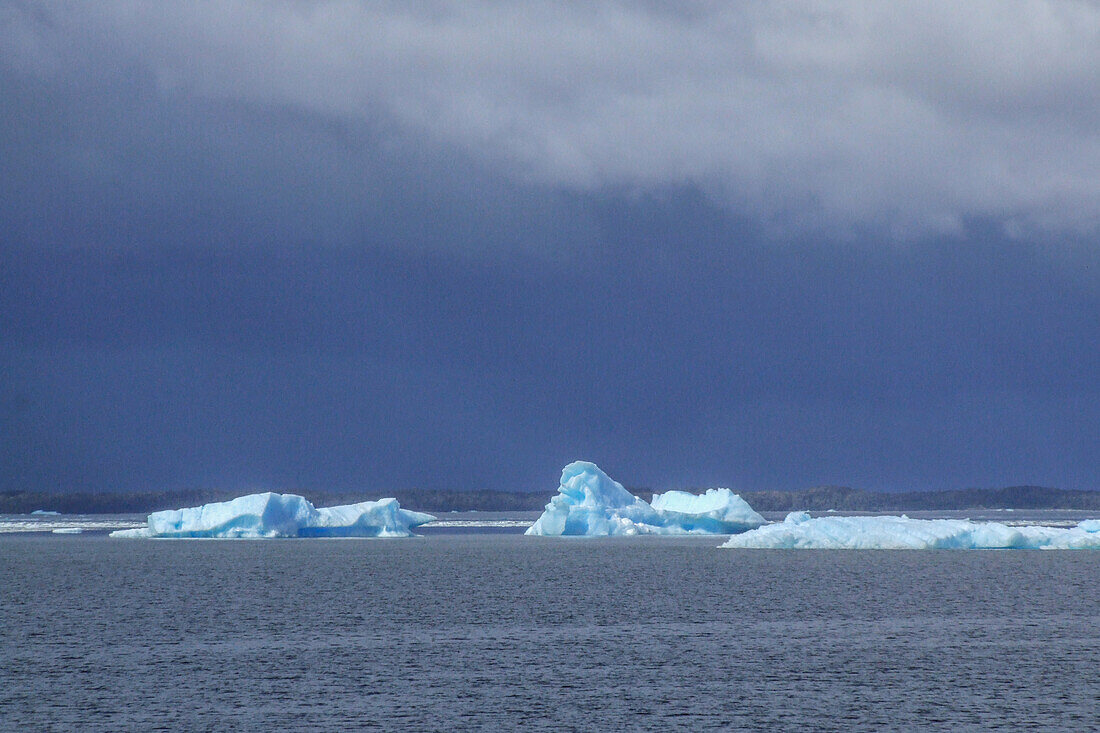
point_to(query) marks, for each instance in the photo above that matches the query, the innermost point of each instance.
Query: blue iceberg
(1090, 525)
(717, 511)
(799, 531)
(280, 515)
(591, 503)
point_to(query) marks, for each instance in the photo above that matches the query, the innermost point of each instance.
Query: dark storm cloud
(458, 245)
(346, 367)
(909, 116)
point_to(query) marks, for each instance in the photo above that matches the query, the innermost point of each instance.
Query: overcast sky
(458, 245)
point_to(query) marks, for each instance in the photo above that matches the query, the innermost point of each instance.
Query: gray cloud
(904, 117)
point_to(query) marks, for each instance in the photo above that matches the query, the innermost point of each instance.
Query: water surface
(467, 631)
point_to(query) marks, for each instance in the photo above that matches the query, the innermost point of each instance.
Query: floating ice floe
(718, 511)
(37, 524)
(281, 515)
(45, 513)
(591, 503)
(1090, 525)
(799, 531)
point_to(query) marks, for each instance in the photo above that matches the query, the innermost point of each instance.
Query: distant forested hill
(843, 498)
(22, 502)
(814, 499)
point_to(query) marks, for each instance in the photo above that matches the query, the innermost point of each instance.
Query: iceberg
(800, 531)
(718, 511)
(591, 503)
(1090, 525)
(280, 515)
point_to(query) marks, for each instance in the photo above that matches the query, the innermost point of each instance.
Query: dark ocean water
(492, 631)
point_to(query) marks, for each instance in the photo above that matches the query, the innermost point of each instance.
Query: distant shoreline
(812, 499)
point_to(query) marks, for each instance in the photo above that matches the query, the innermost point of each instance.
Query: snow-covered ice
(281, 515)
(591, 503)
(800, 531)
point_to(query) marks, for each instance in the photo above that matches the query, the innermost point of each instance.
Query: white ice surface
(281, 515)
(799, 531)
(591, 503)
(718, 510)
(481, 523)
(20, 523)
(1090, 525)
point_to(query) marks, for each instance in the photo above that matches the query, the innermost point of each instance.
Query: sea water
(468, 630)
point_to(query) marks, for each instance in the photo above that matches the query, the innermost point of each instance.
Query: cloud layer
(904, 117)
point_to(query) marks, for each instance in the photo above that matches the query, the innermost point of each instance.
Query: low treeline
(23, 502)
(814, 499)
(843, 498)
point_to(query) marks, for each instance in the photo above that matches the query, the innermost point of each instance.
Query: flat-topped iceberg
(718, 511)
(591, 503)
(799, 531)
(281, 515)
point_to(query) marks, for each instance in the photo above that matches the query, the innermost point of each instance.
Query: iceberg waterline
(280, 515)
(799, 531)
(591, 503)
